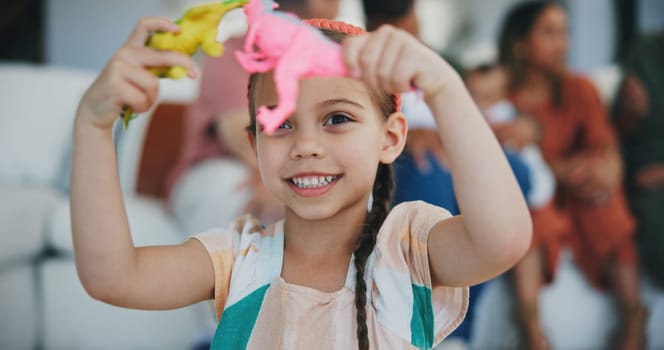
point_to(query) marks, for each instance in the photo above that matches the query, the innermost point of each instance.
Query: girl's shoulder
(416, 217)
(402, 241)
(244, 235)
(245, 256)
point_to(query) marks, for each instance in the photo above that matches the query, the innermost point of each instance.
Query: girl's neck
(321, 239)
(317, 252)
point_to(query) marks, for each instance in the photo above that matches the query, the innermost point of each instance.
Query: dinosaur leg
(287, 76)
(253, 62)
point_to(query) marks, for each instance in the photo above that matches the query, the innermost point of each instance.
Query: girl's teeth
(312, 182)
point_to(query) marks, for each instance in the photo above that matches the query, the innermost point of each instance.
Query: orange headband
(345, 28)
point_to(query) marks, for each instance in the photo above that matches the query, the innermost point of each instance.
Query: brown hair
(383, 183)
(517, 26)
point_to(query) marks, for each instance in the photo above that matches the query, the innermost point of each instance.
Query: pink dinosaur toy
(295, 50)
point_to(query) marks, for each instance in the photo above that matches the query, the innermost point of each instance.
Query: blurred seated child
(487, 85)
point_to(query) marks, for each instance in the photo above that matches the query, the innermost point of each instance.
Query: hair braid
(382, 193)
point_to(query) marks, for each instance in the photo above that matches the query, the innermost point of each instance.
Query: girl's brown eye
(337, 118)
(285, 125)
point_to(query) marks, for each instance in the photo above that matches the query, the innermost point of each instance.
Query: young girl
(330, 275)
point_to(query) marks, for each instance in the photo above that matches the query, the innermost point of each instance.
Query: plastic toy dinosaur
(198, 28)
(295, 50)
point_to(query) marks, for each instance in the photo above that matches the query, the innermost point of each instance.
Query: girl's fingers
(382, 59)
(404, 75)
(145, 81)
(134, 97)
(351, 52)
(389, 62)
(148, 25)
(147, 57)
(371, 55)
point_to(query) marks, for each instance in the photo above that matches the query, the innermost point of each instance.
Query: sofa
(42, 303)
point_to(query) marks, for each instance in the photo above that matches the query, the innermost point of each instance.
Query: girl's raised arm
(109, 266)
(494, 230)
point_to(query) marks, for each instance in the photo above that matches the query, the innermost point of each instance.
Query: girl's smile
(312, 184)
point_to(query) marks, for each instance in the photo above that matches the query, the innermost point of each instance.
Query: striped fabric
(257, 309)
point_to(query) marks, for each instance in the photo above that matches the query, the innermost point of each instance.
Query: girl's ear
(396, 129)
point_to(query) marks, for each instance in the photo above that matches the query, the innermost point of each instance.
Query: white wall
(651, 15)
(85, 33)
(592, 34)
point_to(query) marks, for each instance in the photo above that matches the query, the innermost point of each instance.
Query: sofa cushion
(19, 322)
(39, 103)
(24, 214)
(73, 320)
(149, 222)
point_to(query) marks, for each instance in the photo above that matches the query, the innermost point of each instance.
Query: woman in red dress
(589, 213)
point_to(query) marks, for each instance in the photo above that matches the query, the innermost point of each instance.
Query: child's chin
(313, 212)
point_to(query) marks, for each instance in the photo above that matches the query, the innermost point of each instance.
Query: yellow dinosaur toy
(198, 28)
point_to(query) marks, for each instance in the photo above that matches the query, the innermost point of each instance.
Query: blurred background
(51, 50)
(77, 33)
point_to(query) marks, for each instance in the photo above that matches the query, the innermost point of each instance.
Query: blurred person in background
(578, 142)
(487, 85)
(639, 117)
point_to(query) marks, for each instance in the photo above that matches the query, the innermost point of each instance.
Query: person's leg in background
(605, 250)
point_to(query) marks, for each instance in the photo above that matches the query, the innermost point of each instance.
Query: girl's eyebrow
(335, 101)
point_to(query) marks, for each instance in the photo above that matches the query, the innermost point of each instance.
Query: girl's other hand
(392, 60)
(125, 81)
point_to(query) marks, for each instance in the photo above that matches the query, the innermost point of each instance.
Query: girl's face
(323, 159)
(547, 42)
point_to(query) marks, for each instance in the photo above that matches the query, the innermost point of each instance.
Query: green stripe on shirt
(421, 322)
(238, 321)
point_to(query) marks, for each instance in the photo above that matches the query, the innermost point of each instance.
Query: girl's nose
(306, 145)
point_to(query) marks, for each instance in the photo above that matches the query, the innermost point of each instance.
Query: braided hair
(382, 195)
(383, 183)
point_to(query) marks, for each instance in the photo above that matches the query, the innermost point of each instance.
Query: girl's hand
(125, 81)
(392, 60)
